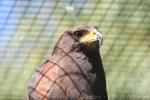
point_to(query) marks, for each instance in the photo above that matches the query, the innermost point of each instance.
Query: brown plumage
(74, 71)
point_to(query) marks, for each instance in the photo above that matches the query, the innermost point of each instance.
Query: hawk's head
(88, 37)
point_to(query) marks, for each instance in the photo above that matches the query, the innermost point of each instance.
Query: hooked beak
(92, 35)
(98, 37)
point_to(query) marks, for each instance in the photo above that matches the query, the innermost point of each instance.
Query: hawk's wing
(41, 81)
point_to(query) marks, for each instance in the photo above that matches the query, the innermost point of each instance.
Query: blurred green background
(30, 28)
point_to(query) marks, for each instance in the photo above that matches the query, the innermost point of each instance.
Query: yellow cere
(88, 38)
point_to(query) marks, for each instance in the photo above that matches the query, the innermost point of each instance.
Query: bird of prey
(75, 70)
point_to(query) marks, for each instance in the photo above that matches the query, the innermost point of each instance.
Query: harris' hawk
(74, 71)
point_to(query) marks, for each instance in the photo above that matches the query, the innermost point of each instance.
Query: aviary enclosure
(30, 28)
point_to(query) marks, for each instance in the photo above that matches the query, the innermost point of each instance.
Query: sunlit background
(30, 28)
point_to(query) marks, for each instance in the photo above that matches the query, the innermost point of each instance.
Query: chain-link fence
(29, 30)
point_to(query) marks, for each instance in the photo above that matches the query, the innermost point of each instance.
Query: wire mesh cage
(30, 28)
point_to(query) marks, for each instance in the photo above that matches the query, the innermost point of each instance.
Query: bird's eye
(77, 34)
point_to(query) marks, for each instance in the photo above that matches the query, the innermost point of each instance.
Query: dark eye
(77, 34)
